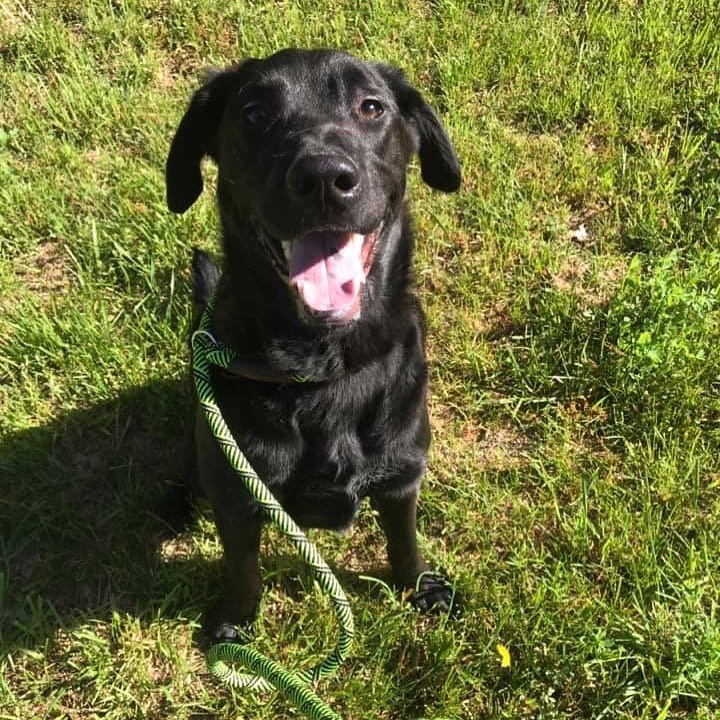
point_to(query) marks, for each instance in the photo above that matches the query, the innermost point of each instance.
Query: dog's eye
(255, 114)
(371, 109)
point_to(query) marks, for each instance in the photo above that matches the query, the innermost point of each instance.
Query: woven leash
(223, 657)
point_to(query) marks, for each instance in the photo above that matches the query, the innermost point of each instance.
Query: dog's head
(312, 148)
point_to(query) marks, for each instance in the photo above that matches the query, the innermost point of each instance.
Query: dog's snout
(323, 177)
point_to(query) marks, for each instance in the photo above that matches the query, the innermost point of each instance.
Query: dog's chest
(322, 448)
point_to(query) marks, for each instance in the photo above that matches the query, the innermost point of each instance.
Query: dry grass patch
(47, 272)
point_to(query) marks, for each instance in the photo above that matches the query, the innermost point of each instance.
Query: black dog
(312, 149)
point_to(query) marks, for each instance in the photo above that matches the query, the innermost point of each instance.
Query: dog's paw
(433, 593)
(223, 625)
(227, 632)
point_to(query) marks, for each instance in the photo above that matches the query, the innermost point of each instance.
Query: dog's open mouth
(328, 269)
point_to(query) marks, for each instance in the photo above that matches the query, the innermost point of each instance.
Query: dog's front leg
(398, 521)
(239, 525)
(431, 592)
(241, 542)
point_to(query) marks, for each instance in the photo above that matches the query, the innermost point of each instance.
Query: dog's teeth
(358, 240)
(287, 249)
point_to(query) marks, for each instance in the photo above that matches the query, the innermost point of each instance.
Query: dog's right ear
(195, 138)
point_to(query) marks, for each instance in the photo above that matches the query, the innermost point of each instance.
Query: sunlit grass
(572, 297)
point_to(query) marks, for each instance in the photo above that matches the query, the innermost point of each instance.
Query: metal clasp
(204, 333)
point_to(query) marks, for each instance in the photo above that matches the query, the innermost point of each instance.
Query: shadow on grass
(80, 503)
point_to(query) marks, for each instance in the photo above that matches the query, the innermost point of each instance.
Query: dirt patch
(178, 548)
(466, 440)
(502, 448)
(494, 322)
(571, 274)
(593, 289)
(183, 62)
(13, 20)
(363, 552)
(47, 272)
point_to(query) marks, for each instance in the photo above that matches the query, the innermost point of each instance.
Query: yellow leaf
(504, 654)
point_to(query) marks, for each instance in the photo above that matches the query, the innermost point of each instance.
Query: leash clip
(204, 334)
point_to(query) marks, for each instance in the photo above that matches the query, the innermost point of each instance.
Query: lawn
(573, 296)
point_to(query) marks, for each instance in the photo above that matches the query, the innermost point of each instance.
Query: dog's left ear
(439, 164)
(195, 138)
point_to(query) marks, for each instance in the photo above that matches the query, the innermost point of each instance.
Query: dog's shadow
(85, 519)
(79, 510)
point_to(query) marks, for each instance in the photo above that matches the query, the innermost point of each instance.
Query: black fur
(298, 151)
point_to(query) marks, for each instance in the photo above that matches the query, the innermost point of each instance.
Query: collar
(232, 364)
(253, 370)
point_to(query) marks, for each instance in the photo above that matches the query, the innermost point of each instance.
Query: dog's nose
(323, 177)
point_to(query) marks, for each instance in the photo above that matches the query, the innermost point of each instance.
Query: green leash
(221, 658)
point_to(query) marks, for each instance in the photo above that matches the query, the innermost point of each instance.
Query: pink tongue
(327, 270)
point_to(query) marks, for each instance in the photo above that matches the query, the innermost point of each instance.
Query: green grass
(572, 291)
